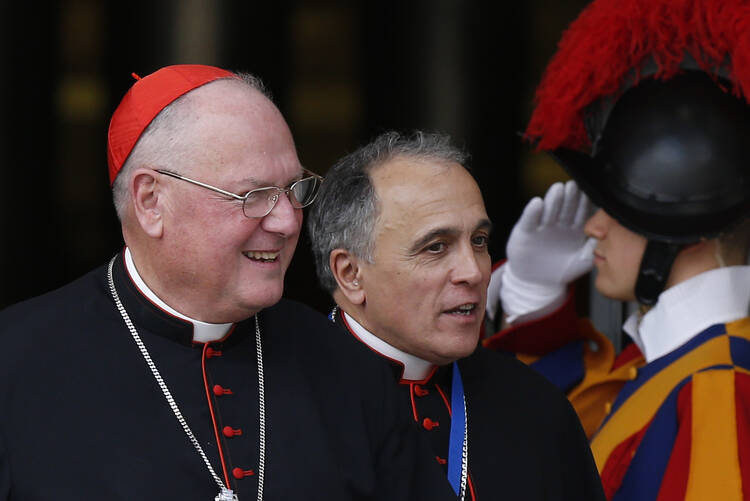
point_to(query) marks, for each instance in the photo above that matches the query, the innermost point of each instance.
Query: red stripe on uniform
(674, 482)
(618, 462)
(742, 399)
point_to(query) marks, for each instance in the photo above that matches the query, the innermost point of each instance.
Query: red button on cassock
(219, 390)
(429, 423)
(210, 352)
(239, 473)
(230, 432)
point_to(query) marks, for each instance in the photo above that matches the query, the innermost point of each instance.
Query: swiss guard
(645, 105)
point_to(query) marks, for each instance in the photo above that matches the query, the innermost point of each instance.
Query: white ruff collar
(203, 332)
(415, 369)
(712, 297)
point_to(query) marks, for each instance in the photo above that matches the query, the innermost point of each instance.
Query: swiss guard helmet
(645, 106)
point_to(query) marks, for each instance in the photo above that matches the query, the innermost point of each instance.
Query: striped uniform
(681, 428)
(677, 427)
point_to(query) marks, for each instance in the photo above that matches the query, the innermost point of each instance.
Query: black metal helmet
(671, 164)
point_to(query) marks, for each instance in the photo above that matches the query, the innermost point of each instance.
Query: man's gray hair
(346, 210)
(164, 144)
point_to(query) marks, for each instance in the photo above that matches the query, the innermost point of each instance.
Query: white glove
(547, 249)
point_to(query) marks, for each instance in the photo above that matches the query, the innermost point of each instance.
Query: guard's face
(232, 265)
(426, 289)
(617, 256)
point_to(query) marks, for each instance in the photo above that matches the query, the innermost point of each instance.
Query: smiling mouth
(262, 256)
(463, 310)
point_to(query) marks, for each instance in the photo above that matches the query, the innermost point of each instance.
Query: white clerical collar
(415, 369)
(713, 297)
(202, 332)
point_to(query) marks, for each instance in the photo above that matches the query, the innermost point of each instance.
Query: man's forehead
(406, 184)
(253, 173)
(418, 199)
(227, 104)
(242, 137)
(404, 170)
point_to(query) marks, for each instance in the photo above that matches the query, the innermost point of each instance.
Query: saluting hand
(547, 249)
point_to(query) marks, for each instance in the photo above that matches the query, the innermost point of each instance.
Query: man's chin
(256, 302)
(456, 353)
(607, 290)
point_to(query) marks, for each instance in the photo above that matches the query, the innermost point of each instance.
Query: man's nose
(467, 268)
(283, 218)
(596, 226)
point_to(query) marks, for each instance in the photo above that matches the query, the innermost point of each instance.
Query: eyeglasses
(261, 201)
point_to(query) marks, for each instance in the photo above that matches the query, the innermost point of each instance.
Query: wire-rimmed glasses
(261, 201)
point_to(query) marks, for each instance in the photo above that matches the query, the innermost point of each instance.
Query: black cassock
(525, 441)
(82, 417)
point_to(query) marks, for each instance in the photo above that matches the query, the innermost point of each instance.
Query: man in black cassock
(400, 238)
(176, 371)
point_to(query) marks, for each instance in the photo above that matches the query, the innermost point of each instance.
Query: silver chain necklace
(464, 455)
(225, 494)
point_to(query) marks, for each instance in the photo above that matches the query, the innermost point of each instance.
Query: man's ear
(145, 192)
(346, 271)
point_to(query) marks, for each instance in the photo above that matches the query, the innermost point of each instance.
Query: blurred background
(340, 72)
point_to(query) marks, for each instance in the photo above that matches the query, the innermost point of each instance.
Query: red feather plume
(611, 38)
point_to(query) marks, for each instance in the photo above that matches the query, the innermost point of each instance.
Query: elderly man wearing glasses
(176, 371)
